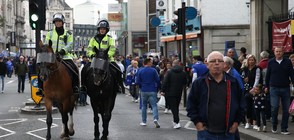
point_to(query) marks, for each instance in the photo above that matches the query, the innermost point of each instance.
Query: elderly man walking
(216, 93)
(277, 80)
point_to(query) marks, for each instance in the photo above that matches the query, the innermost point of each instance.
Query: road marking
(41, 129)
(10, 132)
(186, 126)
(14, 109)
(10, 81)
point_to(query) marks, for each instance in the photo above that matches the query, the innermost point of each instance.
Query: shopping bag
(291, 108)
(161, 102)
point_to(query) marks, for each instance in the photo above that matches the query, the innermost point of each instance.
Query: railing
(281, 17)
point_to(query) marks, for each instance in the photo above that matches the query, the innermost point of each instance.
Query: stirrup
(40, 92)
(76, 89)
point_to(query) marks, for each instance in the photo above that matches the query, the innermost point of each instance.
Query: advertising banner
(281, 34)
(115, 16)
(292, 27)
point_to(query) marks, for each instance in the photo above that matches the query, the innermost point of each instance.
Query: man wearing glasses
(216, 93)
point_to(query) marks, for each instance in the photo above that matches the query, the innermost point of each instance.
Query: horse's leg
(96, 119)
(48, 105)
(64, 131)
(106, 119)
(71, 124)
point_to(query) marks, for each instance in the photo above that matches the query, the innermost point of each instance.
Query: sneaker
(258, 129)
(177, 126)
(149, 110)
(2, 91)
(255, 127)
(274, 129)
(156, 123)
(264, 129)
(247, 126)
(165, 111)
(136, 101)
(143, 124)
(285, 132)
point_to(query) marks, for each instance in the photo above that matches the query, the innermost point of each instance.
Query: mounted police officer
(62, 43)
(104, 41)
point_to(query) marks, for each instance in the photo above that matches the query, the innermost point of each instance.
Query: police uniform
(62, 43)
(104, 42)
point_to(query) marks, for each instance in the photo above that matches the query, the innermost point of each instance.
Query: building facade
(82, 35)
(12, 21)
(58, 6)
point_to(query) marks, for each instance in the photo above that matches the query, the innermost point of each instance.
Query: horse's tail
(76, 100)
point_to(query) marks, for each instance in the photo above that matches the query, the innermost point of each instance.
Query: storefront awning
(178, 37)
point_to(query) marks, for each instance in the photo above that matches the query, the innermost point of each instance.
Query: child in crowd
(259, 98)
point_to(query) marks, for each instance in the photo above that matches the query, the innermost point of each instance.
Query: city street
(124, 124)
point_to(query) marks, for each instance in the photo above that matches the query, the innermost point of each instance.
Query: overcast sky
(73, 3)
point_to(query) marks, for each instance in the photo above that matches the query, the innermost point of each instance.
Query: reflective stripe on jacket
(105, 42)
(65, 42)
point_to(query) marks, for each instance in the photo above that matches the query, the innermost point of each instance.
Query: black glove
(61, 52)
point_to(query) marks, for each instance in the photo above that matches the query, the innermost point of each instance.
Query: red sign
(281, 33)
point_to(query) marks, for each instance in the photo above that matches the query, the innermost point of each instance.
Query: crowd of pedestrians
(240, 90)
(253, 91)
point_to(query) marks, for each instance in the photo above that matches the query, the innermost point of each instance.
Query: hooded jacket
(174, 82)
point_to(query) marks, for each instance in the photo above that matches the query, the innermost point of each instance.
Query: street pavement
(124, 124)
(250, 134)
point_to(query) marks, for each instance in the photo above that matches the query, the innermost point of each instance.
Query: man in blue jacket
(149, 83)
(216, 94)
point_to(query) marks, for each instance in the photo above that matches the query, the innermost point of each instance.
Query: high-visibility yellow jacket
(106, 42)
(65, 42)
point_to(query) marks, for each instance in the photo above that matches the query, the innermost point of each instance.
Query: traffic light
(179, 21)
(37, 14)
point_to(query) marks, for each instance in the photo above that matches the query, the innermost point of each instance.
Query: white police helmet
(58, 16)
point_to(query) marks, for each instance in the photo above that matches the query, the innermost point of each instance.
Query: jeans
(276, 94)
(260, 113)
(205, 135)
(2, 80)
(21, 83)
(133, 91)
(152, 98)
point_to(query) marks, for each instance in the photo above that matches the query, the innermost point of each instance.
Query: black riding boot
(40, 88)
(84, 77)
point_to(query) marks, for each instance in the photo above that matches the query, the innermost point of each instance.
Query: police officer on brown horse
(62, 43)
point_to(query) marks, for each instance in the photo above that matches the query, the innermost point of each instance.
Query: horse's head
(100, 65)
(46, 60)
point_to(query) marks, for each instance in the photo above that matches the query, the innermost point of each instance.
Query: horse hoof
(104, 138)
(71, 133)
(66, 138)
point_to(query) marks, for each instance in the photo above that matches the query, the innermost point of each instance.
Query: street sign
(155, 21)
(34, 88)
(191, 12)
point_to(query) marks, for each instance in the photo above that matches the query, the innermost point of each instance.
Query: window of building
(67, 25)
(67, 15)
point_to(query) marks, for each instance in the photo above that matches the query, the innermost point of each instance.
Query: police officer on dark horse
(62, 43)
(103, 41)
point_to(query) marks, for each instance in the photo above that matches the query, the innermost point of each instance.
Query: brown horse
(57, 86)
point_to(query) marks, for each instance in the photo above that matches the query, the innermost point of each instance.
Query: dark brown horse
(100, 84)
(57, 86)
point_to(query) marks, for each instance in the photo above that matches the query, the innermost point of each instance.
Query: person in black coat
(3, 70)
(172, 87)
